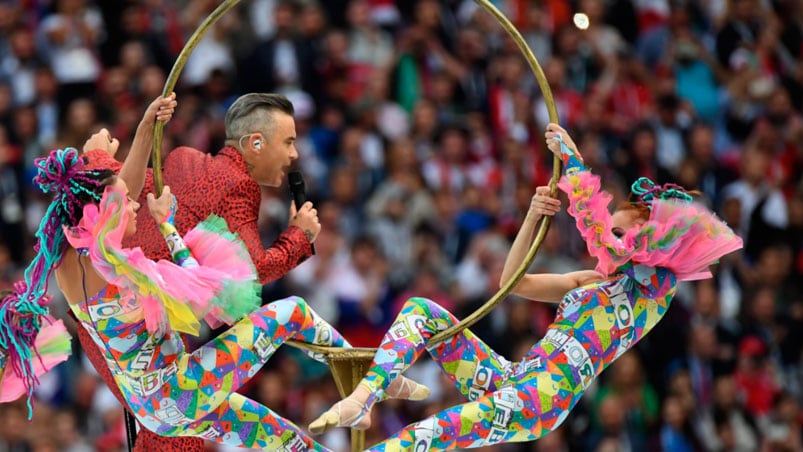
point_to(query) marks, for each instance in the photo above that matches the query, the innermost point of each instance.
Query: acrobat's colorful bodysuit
(175, 393)
(133, 319)
(525, 400)
(595, 324)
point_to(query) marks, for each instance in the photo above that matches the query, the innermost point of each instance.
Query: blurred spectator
(676, 432)
(568, 100)
(425, 283)
(66, 433)
(728, 426)
(707, 309)
(641, 157)
(639, 401)
(47, 108)
(69, 38)
(614, 433)
(370, 47)
(583, 62)
(700, 362)
(11, 210)
(762, 205)
(712, 176)
(281, 61)
(446, 169)
(671, 123)
(740, 31)
(756, 378)
(696, 71)
(18, 68)
(360, 289)
(783, 431)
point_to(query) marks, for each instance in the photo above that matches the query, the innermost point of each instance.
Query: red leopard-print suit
(203, 185)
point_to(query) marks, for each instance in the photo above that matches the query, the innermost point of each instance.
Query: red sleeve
(289, 249)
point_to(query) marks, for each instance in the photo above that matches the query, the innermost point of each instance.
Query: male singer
(260, 148)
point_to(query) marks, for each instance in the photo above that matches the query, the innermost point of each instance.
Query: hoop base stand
(348, 366)
(347, 372)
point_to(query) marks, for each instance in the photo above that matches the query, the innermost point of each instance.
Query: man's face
(277, 151)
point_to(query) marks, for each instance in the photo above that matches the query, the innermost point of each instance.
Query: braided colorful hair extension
(21, 311)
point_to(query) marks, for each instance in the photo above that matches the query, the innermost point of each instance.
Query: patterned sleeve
(284, 254)
(588, 204)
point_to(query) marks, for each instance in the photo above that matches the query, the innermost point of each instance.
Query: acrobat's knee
(424, 306)
(290, 309)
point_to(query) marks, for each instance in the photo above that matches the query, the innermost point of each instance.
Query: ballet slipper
(407, 389)
(333, 417)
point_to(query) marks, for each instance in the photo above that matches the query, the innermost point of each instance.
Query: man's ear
(257, 141)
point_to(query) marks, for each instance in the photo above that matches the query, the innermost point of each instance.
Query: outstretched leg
(147, 440)
(473, 366)
(198, 383)
(468, 362)
(241, 422)
(526, 409)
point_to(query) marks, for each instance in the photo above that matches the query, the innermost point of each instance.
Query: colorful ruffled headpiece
(646, 191)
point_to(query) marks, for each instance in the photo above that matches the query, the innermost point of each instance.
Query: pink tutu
(685, 238)
(223, 288)
(53, 347)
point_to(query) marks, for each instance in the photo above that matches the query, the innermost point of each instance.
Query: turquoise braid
(647, 191)
(21, 311)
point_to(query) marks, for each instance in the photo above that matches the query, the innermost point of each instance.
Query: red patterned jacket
(203, 185)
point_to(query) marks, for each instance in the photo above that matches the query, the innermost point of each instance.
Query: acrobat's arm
(134, 168)
(588, 202)
(170, 295)
(163, 210)
(551, 287)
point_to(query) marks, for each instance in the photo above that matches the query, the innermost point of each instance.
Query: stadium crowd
(420, 133)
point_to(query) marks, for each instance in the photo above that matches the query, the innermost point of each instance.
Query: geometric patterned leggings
(201, 393)
(509, 402)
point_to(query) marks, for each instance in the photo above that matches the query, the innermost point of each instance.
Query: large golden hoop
(349, 365)
(172, 79)
(503, 292)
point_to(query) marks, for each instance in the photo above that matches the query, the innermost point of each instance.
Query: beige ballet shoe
(407, 389)
(333, 418)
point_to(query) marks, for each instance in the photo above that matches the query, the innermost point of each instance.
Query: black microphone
(299, 191)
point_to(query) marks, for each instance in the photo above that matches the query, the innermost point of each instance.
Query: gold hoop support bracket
(348, 367)
(543, 226)
(172, 79)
